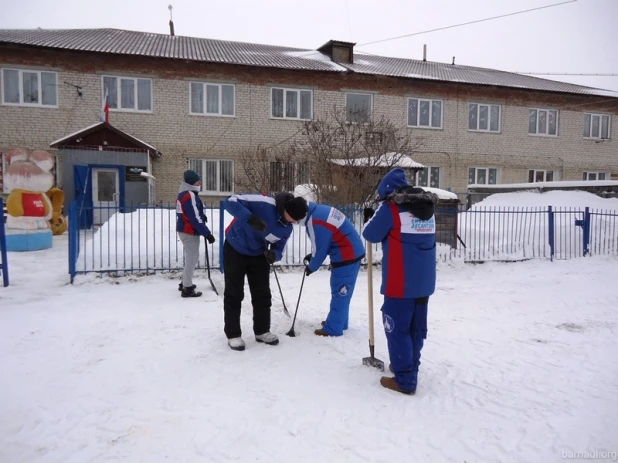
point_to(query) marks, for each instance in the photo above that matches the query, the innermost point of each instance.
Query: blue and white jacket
(404, 223)
(190, 218)
(245, 239)
(333, 235)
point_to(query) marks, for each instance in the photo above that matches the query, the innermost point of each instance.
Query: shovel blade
(374, 362)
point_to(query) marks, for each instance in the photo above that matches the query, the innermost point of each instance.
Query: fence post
(221, 234)
(586, 226)
(73, 232)
(4, 263)
(550, 217)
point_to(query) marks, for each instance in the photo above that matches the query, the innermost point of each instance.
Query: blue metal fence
(4, 263)
(143, 239)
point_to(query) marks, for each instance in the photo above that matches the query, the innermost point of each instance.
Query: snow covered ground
(519, 366)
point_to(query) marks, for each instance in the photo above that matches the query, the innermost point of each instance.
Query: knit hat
(297, 208)
(191, 177)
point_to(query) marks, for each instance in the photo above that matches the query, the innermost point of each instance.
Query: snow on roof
(554, 198)
(442, 194)
(71, 135)
(533, 186)
(385, 160)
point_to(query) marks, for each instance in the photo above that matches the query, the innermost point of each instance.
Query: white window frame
(545, 171)
(597, 173)
(201, 172)
(347, 111)
(537, 133)
(285, 90)
(601, 116)
(486, 169)
(478, 111)
(21, 88)
(118, 90)
(205, 99)
(418, 113)
(416, 177)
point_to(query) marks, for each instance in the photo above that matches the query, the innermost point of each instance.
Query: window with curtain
(287, 103)
(29, 88)
(482, 176)
(424, 113)
(131, 94)
(597, 126)
(429, 177)
(483, 117)
(212, 99)
(359, 106)
(543, 122)
(217, 175)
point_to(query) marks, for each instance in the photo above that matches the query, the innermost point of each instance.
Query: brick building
(202, 102)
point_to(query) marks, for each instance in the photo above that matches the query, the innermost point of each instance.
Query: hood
(419, 202)
(184, 186)
(395, 179)
(280, 200)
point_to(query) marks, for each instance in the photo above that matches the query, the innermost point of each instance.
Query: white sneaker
(268, 338)
(236, 343)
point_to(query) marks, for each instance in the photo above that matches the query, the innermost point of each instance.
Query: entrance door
(105, 193)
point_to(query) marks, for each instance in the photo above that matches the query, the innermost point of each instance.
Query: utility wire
(566, 74)
(468, 23)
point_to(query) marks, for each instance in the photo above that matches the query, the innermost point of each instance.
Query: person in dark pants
(404, 223)
(254, 240)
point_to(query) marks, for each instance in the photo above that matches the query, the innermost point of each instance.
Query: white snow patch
(316, 56)
(555, 198)
(514, 368)
(442, 194)
(385, 160)
(560, 183)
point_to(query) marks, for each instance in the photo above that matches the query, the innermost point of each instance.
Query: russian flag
(105, 108)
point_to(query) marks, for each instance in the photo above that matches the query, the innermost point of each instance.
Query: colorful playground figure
(28, 176)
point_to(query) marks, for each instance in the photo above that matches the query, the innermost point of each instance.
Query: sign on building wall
(133, 173)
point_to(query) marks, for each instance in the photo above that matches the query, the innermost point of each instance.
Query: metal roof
(220, 51)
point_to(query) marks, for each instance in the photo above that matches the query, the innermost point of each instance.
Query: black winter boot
(190, 291)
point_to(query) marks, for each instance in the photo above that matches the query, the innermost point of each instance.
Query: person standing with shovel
(404, 223)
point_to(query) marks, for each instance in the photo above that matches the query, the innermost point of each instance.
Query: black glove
(204, 218)
(256, 223)
(307, 258)
(270, 256)
(307, 271)
(210, 238)
(367, 214)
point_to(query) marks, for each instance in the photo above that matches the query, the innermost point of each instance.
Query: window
(128, 93)
(595, 176)
(483, 117)
(482, 176)
(596, 126)
(29, 88)
(540, 175)
(543, 122)
(217, 175)
(212, 99)
(424, 113)
(291, 104)
(428, 176)
(284, 176)
(359, 106)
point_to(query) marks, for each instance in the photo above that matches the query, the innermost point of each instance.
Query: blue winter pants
(405, 325)
(342, 283)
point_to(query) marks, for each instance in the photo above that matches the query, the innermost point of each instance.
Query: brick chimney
(339, 52)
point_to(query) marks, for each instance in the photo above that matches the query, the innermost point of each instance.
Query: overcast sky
(579, 37)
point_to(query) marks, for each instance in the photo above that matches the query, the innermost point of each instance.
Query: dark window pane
(483, 115)
(227, 100)
(305, 105)
(553, 126)
(127, 93)
(30, 82)
(549, 176)
(226, 176)
(436, 114)
(110, 85)
(413, 112)
(493, 176)
(197, 97)
(144, 95)
(587, 125)
(277, 102)
(10, 88)
(212, 99)
(532, 121)
(424, 113)
(605, 127)
(48, 88)
(494, 124)
(471, 175)
(472, 117)
(543, 122)
(291, 104)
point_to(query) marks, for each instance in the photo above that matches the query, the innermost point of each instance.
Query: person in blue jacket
(190, 226)
(404, 223)
(333, 235)
(254, 240)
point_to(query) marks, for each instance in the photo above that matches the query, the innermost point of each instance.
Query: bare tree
(344, 153)
(350, 152)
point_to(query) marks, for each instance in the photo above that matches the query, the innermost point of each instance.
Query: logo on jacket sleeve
(335, 217)
(343, 290)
